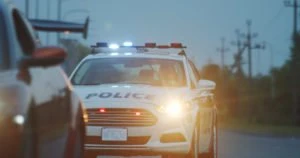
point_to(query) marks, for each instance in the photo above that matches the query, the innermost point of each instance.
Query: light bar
(113, 46)
(163, 46)
(128, 44)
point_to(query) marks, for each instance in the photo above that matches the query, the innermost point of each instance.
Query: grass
(261, 129)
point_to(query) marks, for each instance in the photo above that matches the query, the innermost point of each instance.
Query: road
(237, 145)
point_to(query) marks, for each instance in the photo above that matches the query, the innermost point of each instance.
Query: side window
(4, 54)
(23, 35)
(195, 71)
(79, 75)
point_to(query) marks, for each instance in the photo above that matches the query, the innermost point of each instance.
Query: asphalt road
(237, 145)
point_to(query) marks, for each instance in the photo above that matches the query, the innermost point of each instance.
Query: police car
(146, 100)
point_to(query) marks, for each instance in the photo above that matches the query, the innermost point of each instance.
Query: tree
(76, 51)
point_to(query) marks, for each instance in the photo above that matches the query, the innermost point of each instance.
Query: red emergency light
(176, 45)
(150, 45)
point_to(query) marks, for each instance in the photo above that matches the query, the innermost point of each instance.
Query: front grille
(141, 140)
(120, 117)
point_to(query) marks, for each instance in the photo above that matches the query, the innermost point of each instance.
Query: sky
(199, 24)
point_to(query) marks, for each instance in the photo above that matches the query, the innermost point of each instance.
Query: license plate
(114, 134)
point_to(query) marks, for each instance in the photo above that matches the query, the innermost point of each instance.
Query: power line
(277, 15)
(222, 50)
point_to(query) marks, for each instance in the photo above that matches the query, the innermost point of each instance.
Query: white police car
(149, 101)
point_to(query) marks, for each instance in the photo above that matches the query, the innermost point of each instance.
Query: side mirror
(206, 85)
(44, 57)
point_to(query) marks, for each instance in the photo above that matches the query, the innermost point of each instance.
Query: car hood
(128, 93)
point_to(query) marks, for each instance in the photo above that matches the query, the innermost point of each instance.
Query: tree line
(268, 99)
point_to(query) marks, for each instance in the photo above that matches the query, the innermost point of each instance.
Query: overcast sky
(199, 24)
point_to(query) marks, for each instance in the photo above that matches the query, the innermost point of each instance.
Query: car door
(206, 110)
(46, 85)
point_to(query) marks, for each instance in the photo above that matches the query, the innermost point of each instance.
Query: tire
(194, 153)
(213, 151)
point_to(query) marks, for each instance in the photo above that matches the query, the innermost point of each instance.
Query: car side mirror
(44, 57)
(206, 85)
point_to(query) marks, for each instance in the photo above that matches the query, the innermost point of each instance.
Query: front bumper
(168, 135)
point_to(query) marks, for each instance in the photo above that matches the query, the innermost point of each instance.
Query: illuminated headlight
(19, 119)
(172, 108)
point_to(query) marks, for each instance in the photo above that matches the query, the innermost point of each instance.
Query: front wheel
(214, 147)
(213, 151)
(195, 144)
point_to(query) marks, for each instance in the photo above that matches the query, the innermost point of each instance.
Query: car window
(4, 58)
(157, 72)
(23, 34)
(1, 43)
(192, 77)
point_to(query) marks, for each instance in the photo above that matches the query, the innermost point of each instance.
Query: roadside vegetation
(266, 103)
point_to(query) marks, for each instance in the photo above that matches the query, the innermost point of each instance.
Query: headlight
(172, 108)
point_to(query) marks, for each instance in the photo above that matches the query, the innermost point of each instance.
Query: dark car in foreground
(40, 115)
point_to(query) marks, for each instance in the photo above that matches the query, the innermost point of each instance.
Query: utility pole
(27, 9)
(295, 6)
(48, 17)
(37, 6)
(59, 8)
(238, 56)
(295, 91)
(222, 50)
(249, 36)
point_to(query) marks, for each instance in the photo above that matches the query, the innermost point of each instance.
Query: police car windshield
(155, 72)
